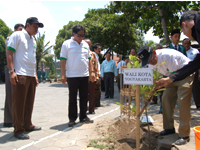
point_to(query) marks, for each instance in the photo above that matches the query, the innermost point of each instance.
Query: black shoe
(91, 112)
(8, 125)
(22, 136)
(160, 112)
(167, 131)
(86, 120)
(111, 97)
(106, 97)
(98, 105)
(182, 140)
(36, 128)
(152, 103)
(198, 107)
(71, 123)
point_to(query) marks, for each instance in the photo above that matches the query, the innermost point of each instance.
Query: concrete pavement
(51, 113)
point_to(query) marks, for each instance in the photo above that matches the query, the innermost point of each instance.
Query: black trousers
(196, 89)
(75, 84)
(102, 85)
(109, 84)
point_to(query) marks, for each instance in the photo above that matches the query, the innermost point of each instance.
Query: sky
(53, 14)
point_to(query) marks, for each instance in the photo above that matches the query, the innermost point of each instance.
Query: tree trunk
(164, 26)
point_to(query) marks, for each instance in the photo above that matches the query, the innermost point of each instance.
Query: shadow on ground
(58, 85)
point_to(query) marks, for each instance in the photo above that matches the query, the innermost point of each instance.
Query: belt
(109, 72)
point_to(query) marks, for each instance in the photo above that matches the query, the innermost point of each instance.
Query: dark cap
(124, 57)
(175, 31)
(34, 20)
(144, 54)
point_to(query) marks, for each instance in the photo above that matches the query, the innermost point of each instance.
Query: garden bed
(121, 135)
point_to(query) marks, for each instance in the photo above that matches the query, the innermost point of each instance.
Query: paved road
(51, 113)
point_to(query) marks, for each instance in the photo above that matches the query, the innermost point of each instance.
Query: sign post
(138, 76)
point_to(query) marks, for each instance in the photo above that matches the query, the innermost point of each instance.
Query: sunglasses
(80, 35)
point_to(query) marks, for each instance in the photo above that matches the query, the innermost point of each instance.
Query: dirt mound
(124, 133)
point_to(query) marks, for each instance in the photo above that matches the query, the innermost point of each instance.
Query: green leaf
(118, 103)
(131, 106)
(128, 65)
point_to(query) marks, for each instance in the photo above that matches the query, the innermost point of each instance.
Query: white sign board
(139, 76)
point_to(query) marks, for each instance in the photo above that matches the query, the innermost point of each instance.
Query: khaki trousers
(181, 91)
(91, 96)
(22, 103)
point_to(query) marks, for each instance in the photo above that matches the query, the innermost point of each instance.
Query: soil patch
(123, 131)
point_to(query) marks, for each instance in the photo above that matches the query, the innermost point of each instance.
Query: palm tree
(42, 49)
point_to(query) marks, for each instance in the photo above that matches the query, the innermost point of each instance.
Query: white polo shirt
(119, 65)
(77, 58)
(169, 61)
(191, 53)
(24, 47)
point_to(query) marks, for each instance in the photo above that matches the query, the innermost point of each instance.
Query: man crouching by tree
(168, 61)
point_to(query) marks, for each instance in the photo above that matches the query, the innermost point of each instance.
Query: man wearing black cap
(21, 52)
(190, 25)
(175, 36)
(168, 61)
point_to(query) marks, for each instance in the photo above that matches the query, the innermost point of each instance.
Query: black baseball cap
(34, 20)
(145, 54)
(124, 57)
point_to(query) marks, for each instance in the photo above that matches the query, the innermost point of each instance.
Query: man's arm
(102, 71)
(36, 78)
(91, 70)
(115, 70)
(62, 65)
(188, 69)
(180, 74)
(13, 75)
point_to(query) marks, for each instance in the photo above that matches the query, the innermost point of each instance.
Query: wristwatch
(10, 71)
(93, 71)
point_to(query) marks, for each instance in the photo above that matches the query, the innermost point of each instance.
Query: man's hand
(116, 77)
(97, 80)
(102, 78)
(36, 80)
(163, 82)
(13, 78)
(63, 79)
(93, 76)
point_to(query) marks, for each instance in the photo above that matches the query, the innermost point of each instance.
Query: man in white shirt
(168, 61)
(75, 58)
(97, 49)
(21, 53)
(119, 73)
(191, 54)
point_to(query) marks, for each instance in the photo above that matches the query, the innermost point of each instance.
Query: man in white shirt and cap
(168, 61)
